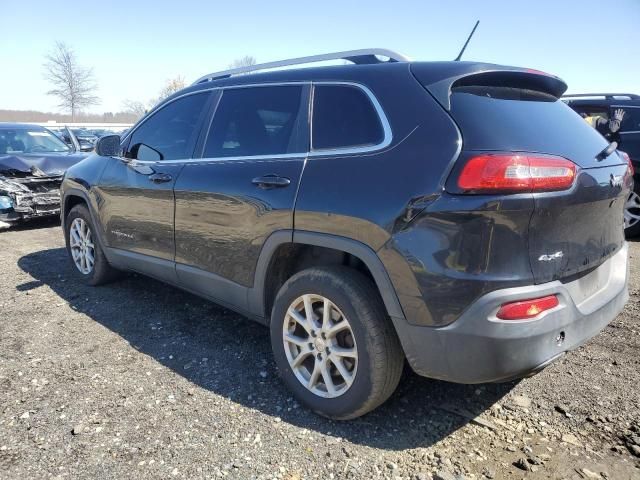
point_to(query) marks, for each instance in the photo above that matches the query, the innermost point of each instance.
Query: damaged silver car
(32, 163)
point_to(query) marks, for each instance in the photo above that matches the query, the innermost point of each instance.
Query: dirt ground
(140, 380)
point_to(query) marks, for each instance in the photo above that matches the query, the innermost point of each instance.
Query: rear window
(344, 117)
(515, 119)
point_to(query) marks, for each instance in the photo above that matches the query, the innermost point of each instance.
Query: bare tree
(135, 107)
(73, 84)
(140, 108)
(171, 87)
(245, 61)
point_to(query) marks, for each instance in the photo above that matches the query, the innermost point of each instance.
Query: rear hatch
(573, 230)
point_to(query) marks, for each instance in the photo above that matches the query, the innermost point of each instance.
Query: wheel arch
(70, 199)
(262, 294)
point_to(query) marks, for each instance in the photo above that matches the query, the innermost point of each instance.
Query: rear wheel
(84, 249)
(333, 343)
(632, 213)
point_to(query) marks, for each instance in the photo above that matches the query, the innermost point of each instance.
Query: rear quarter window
(344, 117)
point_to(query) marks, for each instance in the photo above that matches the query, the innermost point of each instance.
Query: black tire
(380, 356)
(101, 272)
(634, 230)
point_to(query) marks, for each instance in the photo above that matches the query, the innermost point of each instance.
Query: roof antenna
(467, 42)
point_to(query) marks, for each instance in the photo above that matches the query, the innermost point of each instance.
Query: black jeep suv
(617, 117)
(457, 215)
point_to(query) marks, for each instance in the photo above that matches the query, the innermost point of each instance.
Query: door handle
(271, 181)
(160, 178)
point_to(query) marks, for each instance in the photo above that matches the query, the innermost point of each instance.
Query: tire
(98, 273)
(632, 209)
(376, 369)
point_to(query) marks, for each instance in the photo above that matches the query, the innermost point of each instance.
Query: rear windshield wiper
(607, 151)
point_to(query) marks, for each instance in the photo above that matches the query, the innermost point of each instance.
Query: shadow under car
(230, 356)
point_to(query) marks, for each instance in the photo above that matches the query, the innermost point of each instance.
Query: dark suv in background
(457, 215)
(600, 109)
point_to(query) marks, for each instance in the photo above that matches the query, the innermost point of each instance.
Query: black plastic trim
(215, 287)
(256, 300)
(158, 268)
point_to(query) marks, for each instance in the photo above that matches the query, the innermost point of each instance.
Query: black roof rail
(607, 96)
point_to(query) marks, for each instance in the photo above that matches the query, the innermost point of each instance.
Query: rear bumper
(479, 348)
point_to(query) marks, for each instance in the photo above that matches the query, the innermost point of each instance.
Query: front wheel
(84, 249)
(333, 343)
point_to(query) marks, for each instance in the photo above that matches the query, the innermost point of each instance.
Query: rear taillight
(527, 309)
(626, 156)
(516, 173)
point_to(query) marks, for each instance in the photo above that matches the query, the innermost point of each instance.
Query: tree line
(7, 115)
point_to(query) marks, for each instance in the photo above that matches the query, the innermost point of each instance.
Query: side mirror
(109, 146)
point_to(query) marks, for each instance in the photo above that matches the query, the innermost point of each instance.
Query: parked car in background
(83, 138)
(454, 214)
(86, 138)
(65, 134)
(32, 162)
(622, 111)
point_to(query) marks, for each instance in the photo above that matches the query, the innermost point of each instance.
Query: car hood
(47, 164)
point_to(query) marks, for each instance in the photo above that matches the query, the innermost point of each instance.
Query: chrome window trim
(221, 159)
(382, 117)
(254, 85)
(386, 127)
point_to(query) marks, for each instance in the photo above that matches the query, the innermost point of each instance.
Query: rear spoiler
(439, 81)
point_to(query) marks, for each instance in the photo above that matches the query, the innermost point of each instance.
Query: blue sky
(135, 46)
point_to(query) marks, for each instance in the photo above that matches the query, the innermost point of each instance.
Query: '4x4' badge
(616, 181)
(550, 257)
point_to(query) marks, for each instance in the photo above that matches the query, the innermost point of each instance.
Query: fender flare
(72, 192)
(256, 295)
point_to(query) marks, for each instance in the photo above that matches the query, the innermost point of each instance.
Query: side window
(170, 133)
(257, 121)
(593, 115)
(631, 119)
(343, 116)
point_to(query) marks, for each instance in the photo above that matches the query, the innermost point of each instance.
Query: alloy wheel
(82, 247)
(320, 346)
(632, 210)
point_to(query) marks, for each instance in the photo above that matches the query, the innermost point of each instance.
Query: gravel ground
(140, 380)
